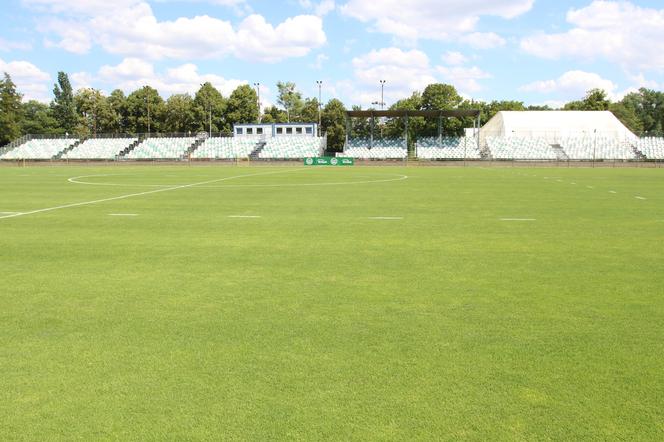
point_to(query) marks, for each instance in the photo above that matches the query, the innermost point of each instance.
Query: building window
(289, 130)
(259, 131)
(250, 131)
(239, 130)
(298, 130)
(280, 130)
(310, 130)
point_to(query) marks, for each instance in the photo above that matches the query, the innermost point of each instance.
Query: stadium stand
(600, 147)
(435, 148)
(161, 148)
(520, 148)
(291, 147)
(100, 148)
(378, 148)
(39, 149)
(652, 148)
(226, 148)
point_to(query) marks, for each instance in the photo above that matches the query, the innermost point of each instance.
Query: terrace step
(194, 147)
(124, 152)
(560, 152)
(255, 154)
(69, 149)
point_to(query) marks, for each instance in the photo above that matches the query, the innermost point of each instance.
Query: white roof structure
(555, 125)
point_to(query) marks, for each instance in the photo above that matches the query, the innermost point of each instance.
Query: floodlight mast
(320, 104)
(258, 94)
(209, 103)
(381, 103)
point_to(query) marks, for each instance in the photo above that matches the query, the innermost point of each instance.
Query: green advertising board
(329, 161)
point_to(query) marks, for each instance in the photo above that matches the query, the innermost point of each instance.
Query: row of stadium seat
(100, 148)
(652, 148)
(437, 148)
(520, 148)
(291, 147)
(588, 148)
(575, 148)
(226, 148)
(39, 149)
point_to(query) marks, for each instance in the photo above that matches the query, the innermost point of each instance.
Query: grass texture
(354, 304)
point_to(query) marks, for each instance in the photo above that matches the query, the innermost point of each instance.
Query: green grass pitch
(366, 303)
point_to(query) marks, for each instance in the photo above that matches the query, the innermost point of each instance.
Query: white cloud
(573, 85)
(483, 40)
(434, 19)
(320, 60)
(464, 78)
(31, 81)
(620, 32)
(406, 72)
(321, 8)
(454, 58)
(130, 28)
(132, 74)
(8, 45)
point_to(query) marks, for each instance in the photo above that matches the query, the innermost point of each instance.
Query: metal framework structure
(405, 114)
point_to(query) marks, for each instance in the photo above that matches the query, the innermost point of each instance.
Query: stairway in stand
(69, 149)
(255, 154)
(560, 152)
(638, 154)
(191, 149)
(124, 152)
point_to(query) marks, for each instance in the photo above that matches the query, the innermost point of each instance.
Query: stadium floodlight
(320, 104)
(209, 103)
(258, 94)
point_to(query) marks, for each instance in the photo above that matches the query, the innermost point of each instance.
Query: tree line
(87, 112)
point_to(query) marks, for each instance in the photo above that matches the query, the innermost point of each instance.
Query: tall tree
(309, 113)
(209, 102)
(273, 114)
(118, 103)
(242, 106)
(96, 115)
(290, 99)
(334, 124)
(64, 108)
(38, 119)
(10, 111)
(179, 115)
(595, 100)
(145, 111)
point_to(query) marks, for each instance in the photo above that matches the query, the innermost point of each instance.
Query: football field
(366, 303)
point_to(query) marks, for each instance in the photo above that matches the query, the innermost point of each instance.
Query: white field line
(613, 192)
(244, 216)
(149, 192)
(76, 180)
(590, 187)
(9, 213)
(640, 198)
(518, 219)
(386, 218)
(123, 214)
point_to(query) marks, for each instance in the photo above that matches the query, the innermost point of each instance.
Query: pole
(148, 101)
(210, 109)
(320, 104)
(258, 94)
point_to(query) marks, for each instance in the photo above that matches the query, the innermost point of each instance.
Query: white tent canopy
(556, 125)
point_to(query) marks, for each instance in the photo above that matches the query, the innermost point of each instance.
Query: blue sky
(535, 51)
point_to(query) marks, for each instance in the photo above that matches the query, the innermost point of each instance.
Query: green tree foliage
(208, 100)
(595, 100)
(242, 106)
(333, 123)
(179, 115)
(145, 106)
(10, 111)
(118, 103)
(96, 116)
(309, 112)
(290, 99)
(648, 106)
(38, 119)
(273, 114)
(63, 105)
